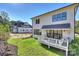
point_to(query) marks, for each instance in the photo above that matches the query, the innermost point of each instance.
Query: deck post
(48, 43)
(66, 52)
(67, 48)
(48, 46)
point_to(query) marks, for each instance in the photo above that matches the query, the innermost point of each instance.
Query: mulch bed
(7, 49)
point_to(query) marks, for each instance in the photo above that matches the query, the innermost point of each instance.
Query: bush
(4, 32)
(74, 47)
(77, 30)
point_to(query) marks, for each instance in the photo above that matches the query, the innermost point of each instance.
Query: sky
(25, 11)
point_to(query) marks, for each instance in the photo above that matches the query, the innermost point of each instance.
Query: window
(64, 16)
(49, 33)
(23, 30)
(37, 32)
(60, 16)
(37, 21)
(54, 17)
(56, 34)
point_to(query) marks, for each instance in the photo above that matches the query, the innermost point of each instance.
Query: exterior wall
(14, 29)
(46, 19)
(22, 30)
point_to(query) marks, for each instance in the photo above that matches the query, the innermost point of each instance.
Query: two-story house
(55, 28)
(21, 27)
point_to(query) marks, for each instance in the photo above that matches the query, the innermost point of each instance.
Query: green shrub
(77, 30)
(4, 32)
(74, 47)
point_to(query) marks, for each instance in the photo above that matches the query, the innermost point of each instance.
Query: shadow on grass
(53, 49)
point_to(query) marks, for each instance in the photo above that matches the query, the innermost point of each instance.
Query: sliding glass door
(55, 34)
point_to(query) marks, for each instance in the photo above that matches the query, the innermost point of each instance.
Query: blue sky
(24, 12)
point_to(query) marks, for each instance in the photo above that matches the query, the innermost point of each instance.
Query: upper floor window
(60, 16)
(64, 16)
(37, 21)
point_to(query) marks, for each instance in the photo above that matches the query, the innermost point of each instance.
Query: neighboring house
(55, 28)
(21, 27)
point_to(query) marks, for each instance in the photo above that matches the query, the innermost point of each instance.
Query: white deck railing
(61, 44)
(58, 43)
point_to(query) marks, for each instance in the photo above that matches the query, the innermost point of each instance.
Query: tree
(77, 27)
(4, 25)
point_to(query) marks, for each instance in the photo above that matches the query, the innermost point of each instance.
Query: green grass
(31, 47)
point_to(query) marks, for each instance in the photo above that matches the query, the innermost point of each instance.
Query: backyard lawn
(31, 47)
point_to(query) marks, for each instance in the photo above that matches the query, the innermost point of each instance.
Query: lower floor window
(56, 34)
(37, 32)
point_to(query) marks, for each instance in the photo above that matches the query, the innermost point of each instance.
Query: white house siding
(14, 29)
(24, 30)
(46, 19)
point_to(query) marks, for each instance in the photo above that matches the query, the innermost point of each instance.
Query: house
(21, 27)
(56, 28)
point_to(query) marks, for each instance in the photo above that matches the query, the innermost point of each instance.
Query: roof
(56, 26)
(54, 10)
